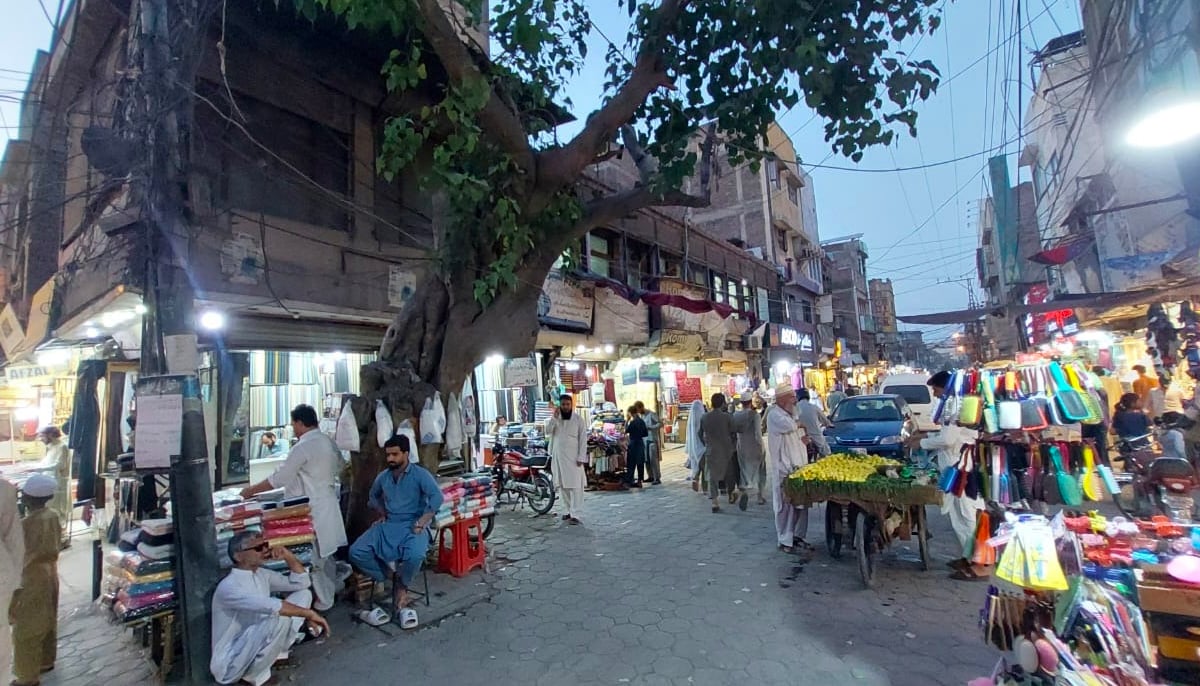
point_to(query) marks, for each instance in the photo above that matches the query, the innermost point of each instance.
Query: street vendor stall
(606, 450)
(872, 499)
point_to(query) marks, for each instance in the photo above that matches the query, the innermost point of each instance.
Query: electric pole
(153, 117)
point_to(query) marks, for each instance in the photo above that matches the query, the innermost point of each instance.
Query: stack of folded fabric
(466, 498)
(138, 587)
(232, 519)
(157, 539)
(288, 523)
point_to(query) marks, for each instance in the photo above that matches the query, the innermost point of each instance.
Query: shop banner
(689, 389)
(11, 333)
(629, 376)
(650, 372)
(520, 372)
(565, 305)
(620, 321)
(697, 369)
(29, 374)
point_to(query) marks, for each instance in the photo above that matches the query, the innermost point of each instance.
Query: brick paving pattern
(652, 589)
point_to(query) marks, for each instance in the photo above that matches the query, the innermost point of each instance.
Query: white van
(919, 397)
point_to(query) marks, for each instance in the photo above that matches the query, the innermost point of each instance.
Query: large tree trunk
(433, 345)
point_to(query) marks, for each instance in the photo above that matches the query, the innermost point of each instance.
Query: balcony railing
(784, 213)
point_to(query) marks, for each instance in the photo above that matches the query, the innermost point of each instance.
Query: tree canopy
(510, 182)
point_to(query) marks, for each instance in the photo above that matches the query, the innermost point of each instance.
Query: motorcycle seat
(534, 461)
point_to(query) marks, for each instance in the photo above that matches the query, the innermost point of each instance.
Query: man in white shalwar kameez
(12, 560)
(311, 469)
(693, 446)
(568, 435)
(251, 630)
(785, 443)
(947, 443)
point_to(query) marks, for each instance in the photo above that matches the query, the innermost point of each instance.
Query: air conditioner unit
(754, 342)
(757, 252)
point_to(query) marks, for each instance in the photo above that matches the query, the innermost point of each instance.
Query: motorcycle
(1154, 484)
(524, 475)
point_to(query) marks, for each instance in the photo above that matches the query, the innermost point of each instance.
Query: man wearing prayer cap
(785, 442)
(34, 608)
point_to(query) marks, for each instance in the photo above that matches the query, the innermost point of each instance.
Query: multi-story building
(1114, 215)
(883, 309)
(771, 212)
(853, 320)
(913, 351)
(1004, 287)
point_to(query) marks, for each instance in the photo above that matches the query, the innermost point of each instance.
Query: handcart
(871, 516)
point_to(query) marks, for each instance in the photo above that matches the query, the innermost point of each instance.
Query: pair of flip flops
(377, 617)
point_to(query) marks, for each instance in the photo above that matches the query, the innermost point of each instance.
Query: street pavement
(652, 589)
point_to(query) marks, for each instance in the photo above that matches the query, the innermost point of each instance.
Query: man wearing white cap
(34, 609)
(785, 441)
(12, 554)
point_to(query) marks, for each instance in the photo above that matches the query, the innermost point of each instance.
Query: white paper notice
(183, 356)
(159, 431)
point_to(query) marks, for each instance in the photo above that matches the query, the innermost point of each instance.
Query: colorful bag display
(1008, 404)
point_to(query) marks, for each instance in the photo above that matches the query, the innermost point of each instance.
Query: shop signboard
(11, 332)
(786, 337)
(31, 374)
(565, 305)
(697, 369)
(520, 372)
(620, 321)
(650, 372)
(689, 389)
(628, 376)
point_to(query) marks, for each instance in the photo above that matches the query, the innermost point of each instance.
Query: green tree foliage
(510, 185)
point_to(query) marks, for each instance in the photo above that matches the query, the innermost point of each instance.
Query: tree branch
(563, 165)
(647, 166)
(499, 122)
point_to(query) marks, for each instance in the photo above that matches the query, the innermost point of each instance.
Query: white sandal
(408, 618)
(375, 617)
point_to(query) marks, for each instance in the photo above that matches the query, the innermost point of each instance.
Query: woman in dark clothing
(635, 453)
(1129, 421)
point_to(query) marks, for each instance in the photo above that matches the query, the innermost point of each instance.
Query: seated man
(404, 499)
(251, 629)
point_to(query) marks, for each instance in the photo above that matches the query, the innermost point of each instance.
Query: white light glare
(1166, 126)
(608, 348)
(212, 320)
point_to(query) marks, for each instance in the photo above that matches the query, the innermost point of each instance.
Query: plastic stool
(461, 555)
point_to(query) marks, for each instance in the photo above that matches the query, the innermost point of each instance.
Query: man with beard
(568, 453)
(405, 499)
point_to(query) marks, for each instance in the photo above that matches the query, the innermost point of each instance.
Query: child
(34, 609)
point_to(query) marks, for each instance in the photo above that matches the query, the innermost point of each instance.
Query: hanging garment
(85, 426)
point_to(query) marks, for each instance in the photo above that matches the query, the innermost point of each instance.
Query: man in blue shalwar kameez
(405, 498)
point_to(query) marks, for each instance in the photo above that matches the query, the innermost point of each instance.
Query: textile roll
(157, 527)
(231, 513)
(138, 602)
(273, 532)
(238, 524)
(156, 552)
(135, 590)
(287, 513)
(137, 565)
(290, 541)
(127, 615)
(148, 578)
(289, 521)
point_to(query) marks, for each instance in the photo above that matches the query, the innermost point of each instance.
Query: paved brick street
(653, 589)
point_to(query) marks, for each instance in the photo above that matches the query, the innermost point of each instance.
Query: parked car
(878, 424)
(916, 393)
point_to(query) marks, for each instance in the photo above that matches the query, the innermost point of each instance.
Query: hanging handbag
(1050, 491)
(1068, 486)
(991, 418)
(970, 412)
(1046, 388)
(973, 483)
(1033, 413)
(1091, 403)
(1070, 402)
(1008, 408)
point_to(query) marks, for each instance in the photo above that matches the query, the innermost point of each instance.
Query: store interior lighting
(609, 348)
(581, 348)
(141, 308)
(91, 332)
(55, 357)
(494, 358)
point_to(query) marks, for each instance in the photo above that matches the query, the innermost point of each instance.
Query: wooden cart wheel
(864, 535)
(833, 529)
(923, 536)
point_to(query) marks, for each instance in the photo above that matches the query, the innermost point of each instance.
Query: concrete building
(771, 212)
(1003, 287)
(883, 309)
(853, 320)
(1120, 213)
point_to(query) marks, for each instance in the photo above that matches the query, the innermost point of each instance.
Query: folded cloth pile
(465, 498)
(230, 520)
(137, 586)
(303, 553)
(288, 523)
(156, 539)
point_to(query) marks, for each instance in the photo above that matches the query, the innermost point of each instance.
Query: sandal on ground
(716, 508)
(959, 564)
(790, 550)
(695, 486)
(743, 501)
(408, 619)
(803, 544)
(574, 520)
(375, 617)
(967, 575)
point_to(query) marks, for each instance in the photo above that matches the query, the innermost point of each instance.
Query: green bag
(1068, 486)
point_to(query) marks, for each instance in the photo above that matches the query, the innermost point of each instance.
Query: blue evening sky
(919, 225)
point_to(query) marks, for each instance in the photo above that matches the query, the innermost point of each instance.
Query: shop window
(718, 288)
(638, 258)
(698, 276)
(600, 254)
(794, 194)
(670, 265)
(732, 288)
(806, 311)
(773, 173)
(763, 309)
